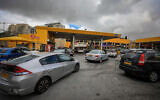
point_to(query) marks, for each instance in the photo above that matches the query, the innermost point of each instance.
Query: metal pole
(73, 42)
(101, 43)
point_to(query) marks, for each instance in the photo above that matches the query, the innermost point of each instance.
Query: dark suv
(142, 63)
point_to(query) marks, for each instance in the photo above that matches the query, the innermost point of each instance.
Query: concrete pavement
(97, 81)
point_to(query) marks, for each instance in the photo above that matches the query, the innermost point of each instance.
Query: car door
(106, 55)
(53, 66)
(103, 55)
(68, 63)
(156, 61)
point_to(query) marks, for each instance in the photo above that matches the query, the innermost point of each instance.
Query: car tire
(153, 76)
(42, 85)
(76, 68)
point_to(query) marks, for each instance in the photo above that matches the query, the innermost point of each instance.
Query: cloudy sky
(134, 18)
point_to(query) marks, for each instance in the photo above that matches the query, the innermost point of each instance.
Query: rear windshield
(3, 50)
(59, 51)
(22, 59)
(94, 51)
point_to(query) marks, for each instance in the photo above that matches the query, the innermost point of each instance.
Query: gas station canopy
(15, 38)
(118, 40)
(152, 39)
(78, 34)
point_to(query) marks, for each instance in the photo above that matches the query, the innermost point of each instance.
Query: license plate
(128, 63)
(5, 75)
(89, 55)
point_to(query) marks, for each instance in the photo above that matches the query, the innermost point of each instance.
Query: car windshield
(22, 59)
(69, 50)
(25, 49)
(111, 50)
(94, 51)
(3, 50)
(59, 51)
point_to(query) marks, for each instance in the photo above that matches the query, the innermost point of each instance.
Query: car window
(59, 51)
(150, 56)
(65, 58)
(157, 56)
(95, 51)
(14, 51)
(3, 50)
(49, 60)
(22, 59)
(69, 50)
(102, 52)
(25, 49)
(19, 51)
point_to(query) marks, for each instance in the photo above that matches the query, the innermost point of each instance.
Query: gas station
(70, 34)
(44, 37)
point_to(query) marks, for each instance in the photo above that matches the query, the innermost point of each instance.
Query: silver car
(96, 55)
(35, 72)
(112, 53)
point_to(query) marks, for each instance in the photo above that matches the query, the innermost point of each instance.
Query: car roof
(44, 54)
(8, 48)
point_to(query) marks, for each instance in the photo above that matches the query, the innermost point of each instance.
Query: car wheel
(153, 76)
(76, 68)
(100, 60)
(42, 85)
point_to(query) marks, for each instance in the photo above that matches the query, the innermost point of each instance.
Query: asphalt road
(97, 81)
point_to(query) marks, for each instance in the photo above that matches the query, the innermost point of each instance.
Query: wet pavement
(97, 81)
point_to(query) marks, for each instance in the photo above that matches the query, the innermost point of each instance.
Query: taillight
(20, 71)
(141, 60)
(16, 70)
(85, 54)
(96, 56)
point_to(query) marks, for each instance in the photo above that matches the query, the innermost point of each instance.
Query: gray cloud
(116, 6)
(135, 18)
(70, 10)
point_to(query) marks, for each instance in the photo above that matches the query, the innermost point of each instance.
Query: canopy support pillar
(101, 43)
(73, 42)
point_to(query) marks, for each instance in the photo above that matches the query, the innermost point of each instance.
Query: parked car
(35, 72)
(96, 55)
(27, 50)
(10, 53)
(123, 52)
(112, 53)
(143, 63)
(65, 51)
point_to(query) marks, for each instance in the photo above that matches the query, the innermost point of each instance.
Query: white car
(96, 55)
(28, 51)
(112, 53)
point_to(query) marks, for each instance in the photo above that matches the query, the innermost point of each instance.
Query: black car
(142, 63)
